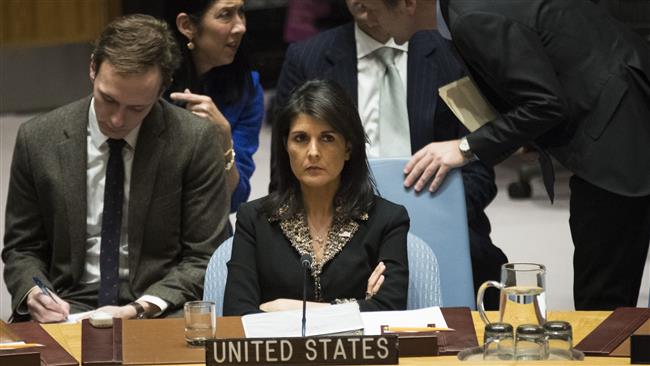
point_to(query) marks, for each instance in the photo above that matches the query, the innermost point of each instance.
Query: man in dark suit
(347, 54)
(566, 79)
(117, 200)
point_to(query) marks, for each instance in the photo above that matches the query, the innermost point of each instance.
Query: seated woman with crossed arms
(325, 206)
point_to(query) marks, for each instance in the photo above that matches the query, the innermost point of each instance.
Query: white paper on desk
(327, 320)
(468, 104)
(373, 320)
(77, 317)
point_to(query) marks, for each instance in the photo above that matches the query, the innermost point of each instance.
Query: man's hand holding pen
(46, 306)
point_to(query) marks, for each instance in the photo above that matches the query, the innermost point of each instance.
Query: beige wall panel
(26, 23)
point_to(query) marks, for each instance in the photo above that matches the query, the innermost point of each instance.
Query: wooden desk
(583, 322)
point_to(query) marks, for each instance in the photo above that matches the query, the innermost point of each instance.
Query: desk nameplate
(322, 350)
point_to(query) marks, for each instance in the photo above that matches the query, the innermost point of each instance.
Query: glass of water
(559, 336)
(530, 343)
(200, 322)
(498, 343)
(523, 294)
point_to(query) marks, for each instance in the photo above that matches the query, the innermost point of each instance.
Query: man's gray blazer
(178, 206)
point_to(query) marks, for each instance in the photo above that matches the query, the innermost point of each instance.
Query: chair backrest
(216, 275)
(424, 278)
(440, 219)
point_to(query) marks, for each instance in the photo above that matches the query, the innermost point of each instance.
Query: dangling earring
(190, 45)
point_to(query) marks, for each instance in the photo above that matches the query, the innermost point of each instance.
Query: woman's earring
(190, 45)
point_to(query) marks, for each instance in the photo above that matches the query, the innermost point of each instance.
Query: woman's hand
(289, 304)
(202, 106)
(375, 280)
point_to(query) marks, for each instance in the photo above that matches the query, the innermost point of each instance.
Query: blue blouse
(245, 117)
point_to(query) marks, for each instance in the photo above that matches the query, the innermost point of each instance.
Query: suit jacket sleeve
(478, 178)
(246, 138)
(26, 251)
(243, 293)
(510, 58)
(204, 215)
(392, 251)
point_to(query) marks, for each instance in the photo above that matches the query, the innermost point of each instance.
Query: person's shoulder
(182, 119)
(253, 209)
(257, 89)
(385, 208)
(46, 125)
(255, 78)
(430, 40)
(184, 131)
(322, 40)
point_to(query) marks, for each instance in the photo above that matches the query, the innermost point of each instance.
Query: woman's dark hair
(229, 83)
(326, 101)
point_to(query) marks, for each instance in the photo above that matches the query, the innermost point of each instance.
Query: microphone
(305, 262)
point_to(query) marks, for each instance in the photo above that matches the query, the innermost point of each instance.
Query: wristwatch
(139, 310)
(465, 150)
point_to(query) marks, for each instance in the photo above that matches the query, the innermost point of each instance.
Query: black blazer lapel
(73, 152)
(342, 60)
(421, 94)
(146, 162)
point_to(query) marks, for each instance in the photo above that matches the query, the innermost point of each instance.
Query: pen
(40, 285)
(417, 329)
(43, 288)
(19, 346)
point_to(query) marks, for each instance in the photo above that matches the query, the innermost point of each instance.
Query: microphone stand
(305, 261)
(304, 303)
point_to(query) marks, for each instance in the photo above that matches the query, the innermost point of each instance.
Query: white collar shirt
(370, 71)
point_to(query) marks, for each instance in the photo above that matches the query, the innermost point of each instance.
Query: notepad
(333, 319)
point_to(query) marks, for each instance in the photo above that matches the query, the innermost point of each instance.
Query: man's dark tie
(109, 257)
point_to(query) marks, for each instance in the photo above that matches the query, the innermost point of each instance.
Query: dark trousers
(611, 235)
(486, 266)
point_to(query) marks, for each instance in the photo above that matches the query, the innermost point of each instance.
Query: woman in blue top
(215, 81)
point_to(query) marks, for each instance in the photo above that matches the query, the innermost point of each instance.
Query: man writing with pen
(118, 200)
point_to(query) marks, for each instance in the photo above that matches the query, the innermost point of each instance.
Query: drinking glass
(200, 322)
(530, 343)
(559, 338)
(498, 342)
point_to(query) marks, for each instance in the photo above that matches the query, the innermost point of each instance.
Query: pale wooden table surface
(583, 322)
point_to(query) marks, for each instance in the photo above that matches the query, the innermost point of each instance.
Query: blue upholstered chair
(216, 275)
(424, 284)
(424, 278)
(440, 219)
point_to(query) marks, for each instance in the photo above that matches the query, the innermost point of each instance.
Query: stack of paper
(328, 320)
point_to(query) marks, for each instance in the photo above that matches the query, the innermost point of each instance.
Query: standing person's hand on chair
(433, 161)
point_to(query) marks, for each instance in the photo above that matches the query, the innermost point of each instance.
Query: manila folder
(468, 104)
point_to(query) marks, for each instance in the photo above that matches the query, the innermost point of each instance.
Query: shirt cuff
(162, 304)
